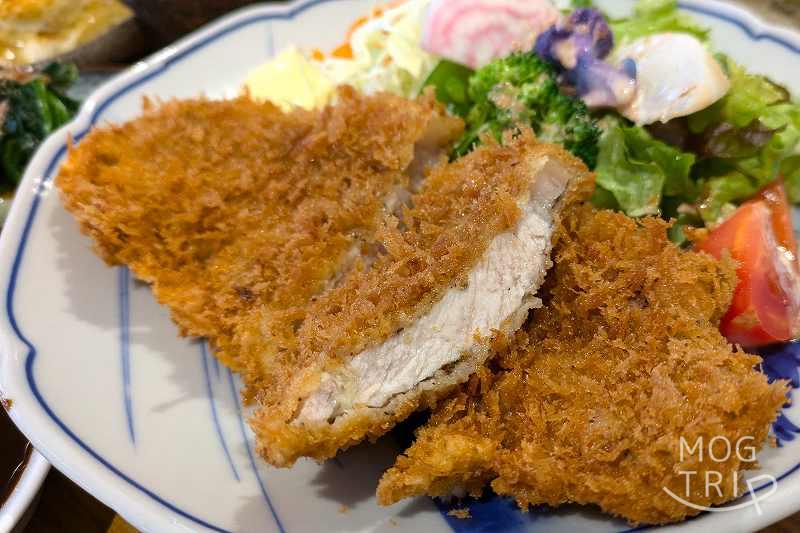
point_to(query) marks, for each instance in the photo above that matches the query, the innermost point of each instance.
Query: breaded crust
(460, 209)
(226, 206)
(590, 401)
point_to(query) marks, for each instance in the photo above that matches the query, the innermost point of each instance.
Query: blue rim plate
(152, 425)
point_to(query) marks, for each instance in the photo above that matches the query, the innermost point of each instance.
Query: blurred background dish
(34, 31)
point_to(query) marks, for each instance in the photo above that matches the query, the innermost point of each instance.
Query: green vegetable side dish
(656, 16)
(34, 108)
(726, 154)
(748, 138)
(451, 85)
(695, 169)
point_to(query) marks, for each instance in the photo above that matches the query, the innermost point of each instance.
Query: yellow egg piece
(290, 80)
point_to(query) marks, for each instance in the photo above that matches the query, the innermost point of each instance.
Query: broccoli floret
(523, 89)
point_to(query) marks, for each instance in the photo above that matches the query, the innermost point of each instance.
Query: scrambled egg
(35, 30)
(290, 79)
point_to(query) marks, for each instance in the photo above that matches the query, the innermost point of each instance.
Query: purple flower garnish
(591, 22)
(577, 49)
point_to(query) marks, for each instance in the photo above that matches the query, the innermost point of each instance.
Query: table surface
(65, 507)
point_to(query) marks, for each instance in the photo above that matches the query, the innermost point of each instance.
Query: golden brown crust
(460, 209)
(589, 404)
(229, 205)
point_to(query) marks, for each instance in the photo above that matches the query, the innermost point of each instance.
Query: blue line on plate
(214, 418)
(215, 362)
(753, 34)
(781, 362)
(490, 513)
(123, 280)
(171, 60)
(31, 359)
(264, 493)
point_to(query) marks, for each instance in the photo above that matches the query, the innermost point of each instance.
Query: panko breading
(225, 206)
(460, 271)
(590, 401)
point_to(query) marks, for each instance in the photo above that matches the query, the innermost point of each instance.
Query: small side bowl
(14, 511)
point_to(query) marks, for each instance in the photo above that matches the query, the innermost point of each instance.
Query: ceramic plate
(151, 425)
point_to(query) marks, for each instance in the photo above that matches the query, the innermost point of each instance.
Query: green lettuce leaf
(729, 182)
(748, 98)
(750, 137)
(638, 171)
(768, 163)
(656, 16)
(677, 233)
(790, 169)
(726, 141)
(451, 84)
(722, 193)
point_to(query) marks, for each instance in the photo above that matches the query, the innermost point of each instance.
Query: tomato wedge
(760, 237)
(778, 202)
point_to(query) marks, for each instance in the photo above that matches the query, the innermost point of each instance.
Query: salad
(671, 127)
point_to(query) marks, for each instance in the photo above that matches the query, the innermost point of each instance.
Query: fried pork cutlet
(224, 206)
(590, 401)
(460, 271)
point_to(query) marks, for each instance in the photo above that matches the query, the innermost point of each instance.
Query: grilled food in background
(34, 31)
(34, 86)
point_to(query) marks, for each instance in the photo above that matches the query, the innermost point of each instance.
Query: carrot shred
(343, 51)
(360, 21)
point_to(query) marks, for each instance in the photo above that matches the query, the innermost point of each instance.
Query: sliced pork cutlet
(227, 205)
(590, 401)
(459, 271)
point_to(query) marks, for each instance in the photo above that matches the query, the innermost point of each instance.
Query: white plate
(149, 422)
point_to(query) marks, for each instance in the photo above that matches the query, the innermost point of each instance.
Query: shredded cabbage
(387, 55)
